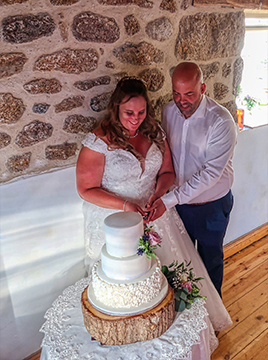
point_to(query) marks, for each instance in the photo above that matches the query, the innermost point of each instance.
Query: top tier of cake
(122, 233)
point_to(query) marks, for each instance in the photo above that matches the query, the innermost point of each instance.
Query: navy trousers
(207, 224)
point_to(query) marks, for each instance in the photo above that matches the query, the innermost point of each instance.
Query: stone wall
(60, 60)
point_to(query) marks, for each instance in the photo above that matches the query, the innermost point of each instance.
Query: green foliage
(250, 102)
(182, 279)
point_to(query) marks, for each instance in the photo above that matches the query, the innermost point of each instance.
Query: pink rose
(154, 238)
(187, 285)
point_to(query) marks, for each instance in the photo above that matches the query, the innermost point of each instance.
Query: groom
(202, 136)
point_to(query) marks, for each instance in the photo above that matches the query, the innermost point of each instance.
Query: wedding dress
(123, 176)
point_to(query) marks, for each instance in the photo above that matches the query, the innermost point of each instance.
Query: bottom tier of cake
(130, 297)
(119, 330)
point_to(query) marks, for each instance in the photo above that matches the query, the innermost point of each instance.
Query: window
(253, 90)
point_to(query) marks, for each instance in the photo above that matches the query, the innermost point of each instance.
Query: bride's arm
(165, 176)
(89, 173)
(165, 179)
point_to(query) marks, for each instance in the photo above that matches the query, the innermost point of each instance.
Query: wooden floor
(245, 294)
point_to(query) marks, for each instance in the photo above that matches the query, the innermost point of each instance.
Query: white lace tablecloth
(190, 337)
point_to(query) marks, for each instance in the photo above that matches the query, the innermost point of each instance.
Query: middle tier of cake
(124, 268)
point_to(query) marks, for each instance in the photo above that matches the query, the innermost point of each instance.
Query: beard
(186, 109)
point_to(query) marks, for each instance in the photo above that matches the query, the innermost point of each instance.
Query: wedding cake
(126, 284)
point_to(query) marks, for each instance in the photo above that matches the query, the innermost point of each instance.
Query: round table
(190, 337)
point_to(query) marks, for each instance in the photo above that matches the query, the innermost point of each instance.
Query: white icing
(130, 294)
(122, 233)
(124, 268)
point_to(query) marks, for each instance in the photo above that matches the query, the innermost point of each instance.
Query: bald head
(187, 71)
(188, 87)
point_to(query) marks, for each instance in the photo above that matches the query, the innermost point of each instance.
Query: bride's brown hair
(118, 136)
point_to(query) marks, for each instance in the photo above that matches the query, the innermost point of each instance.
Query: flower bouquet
(182, 279)
(149, 242)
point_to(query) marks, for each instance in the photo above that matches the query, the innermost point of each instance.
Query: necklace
(136, 134)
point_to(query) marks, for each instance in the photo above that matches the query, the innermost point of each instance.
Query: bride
(124, 165)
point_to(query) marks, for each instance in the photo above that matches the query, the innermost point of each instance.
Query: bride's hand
(156, 210)
(130, 206)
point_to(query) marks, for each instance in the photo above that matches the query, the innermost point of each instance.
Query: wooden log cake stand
(119, 330)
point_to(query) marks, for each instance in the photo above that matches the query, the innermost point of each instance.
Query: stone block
(169, 5)
(33, 133)
(40, 108)
(100, 102)
(11, 63)
(26, 28)
(210, 70)
(141, 3)
(11, 108)
(89, 84)
(140, 54)
(131, 24)
(18, 163)
(61, 151)
(220, 91)
(69, 61)
(159, 29)
(185, 4)
(63, 2)
(43, 86)
(226, 70)
(109, 65)
(79, 124)
(89, 26)
(153, 79)
(69, 103)
(5, 140)
(237, 74)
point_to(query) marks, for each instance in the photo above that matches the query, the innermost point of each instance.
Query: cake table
(190, 337)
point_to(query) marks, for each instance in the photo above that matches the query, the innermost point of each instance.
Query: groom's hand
(157, 209)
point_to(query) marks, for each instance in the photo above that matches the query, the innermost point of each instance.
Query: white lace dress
(124, 176)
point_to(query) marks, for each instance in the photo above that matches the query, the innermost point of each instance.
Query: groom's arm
(219, 151)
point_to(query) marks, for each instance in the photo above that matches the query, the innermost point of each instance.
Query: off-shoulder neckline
(116, 149)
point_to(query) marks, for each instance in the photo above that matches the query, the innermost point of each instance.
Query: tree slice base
(119, 330)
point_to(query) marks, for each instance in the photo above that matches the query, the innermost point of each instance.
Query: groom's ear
(203, 88)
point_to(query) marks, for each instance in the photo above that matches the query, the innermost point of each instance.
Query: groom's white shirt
(202, 148)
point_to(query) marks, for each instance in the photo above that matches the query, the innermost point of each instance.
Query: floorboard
(245, 294)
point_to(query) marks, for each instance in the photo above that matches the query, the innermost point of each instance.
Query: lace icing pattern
(127, 295)
(65, 336)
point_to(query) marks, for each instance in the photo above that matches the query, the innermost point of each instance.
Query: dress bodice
(123, 174)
